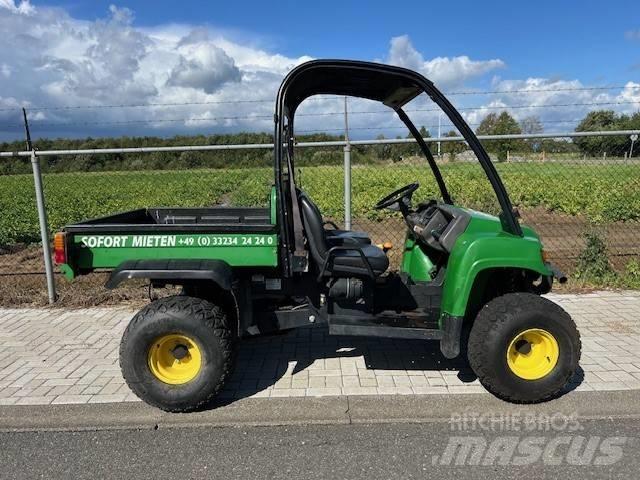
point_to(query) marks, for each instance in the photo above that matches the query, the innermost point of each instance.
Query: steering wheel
(396, 197)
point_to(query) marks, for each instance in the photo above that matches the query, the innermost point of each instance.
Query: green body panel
(415, 262)
(108, 251)
(485, 245)
(67, 271)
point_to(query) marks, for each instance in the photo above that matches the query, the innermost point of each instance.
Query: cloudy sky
(162, 68)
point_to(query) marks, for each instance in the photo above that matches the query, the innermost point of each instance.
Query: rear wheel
(523, 348)
(177, 352)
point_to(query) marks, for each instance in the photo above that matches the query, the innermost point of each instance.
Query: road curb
(311, 411)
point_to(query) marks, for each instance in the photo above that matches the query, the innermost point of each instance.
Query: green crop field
(597, 192)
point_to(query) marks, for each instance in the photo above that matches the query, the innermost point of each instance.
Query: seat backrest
(314, 228)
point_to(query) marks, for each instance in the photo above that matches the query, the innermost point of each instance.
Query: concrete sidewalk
(53, 356)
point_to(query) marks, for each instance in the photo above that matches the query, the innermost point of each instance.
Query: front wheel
(523, 348)
(177, 352)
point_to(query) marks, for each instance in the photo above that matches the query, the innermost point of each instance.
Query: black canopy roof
(393, 86)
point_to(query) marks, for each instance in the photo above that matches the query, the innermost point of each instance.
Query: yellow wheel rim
(174, 359)
(532, 354)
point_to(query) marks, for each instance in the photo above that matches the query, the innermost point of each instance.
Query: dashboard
(438, 225)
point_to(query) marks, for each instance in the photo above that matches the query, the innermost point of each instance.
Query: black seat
(346, 237)
(344, 262)
(335, 236)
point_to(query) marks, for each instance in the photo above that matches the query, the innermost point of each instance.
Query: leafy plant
(594, 192)
(593, 263)
(631, 276)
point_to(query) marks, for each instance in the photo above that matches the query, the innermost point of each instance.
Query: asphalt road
(583, 435)
(321, 451)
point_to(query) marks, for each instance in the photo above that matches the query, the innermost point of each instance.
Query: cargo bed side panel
(90, 251)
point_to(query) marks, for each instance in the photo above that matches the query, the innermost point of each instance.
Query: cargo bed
(219, 219)
(175, 234)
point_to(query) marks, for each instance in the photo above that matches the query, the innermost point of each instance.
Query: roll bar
(393, 87)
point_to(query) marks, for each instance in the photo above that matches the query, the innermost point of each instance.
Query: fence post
(44, 227)
(347, 187)
(439, 132)
(347, 171)
(42, 215)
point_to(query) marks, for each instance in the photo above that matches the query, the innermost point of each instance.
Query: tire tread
(493, 316)
(205, 311)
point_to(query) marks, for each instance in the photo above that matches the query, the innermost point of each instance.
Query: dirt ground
(22, 281)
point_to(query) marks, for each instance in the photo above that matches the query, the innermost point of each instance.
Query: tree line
(493, 124)
(599, 120)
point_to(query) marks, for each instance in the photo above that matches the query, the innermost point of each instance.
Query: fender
(173, 271)
(475, 252)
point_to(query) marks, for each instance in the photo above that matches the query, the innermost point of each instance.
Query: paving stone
(64, 399)
(350, 381)
(428, 390)
(418, 381)
(464, 389)
(7, 392)
(608, 386)
(283, 383)
(41, 391)
(385, 381)
(323, 392)
(35, 400)
(288, 392)
(316, 382)
(394, 390)
(333, 381)
(325, 373)
(300, 382)
(368, 382)
(109, 389)
(91, 390)
(107, 398)
(71, 356)
(401, 381)
(436, 381)
(359, 390)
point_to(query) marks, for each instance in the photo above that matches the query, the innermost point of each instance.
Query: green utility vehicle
(470, 280)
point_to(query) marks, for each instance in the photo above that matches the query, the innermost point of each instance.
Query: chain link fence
(586, 208)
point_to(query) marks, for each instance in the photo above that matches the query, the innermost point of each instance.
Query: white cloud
(631, 95)
(61, 61)
(23, 8)
(121, 14)
(446, 72)
(9, 102)
(203, 66)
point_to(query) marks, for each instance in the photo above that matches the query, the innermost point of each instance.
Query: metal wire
(270, 100)
(313, 114)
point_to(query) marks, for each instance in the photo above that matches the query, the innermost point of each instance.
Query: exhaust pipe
(558, 275)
